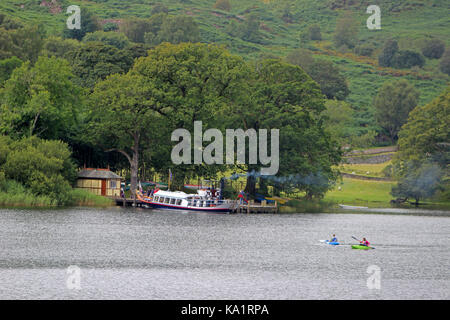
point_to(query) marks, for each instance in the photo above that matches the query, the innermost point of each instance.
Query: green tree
(249, 29)
(95, 61)
(178, 29)
(7, 66)
(346, 33)
(136, 29)
(58, 47)
(427, 130)
(444, 65)
(324, 72)
(424, 153)
(283, 96)
(24, 43)
(328, 76)
(122, 107)
(393, 103)
(419, 182)
(389, 50)
(115, 39)
(188, 81)
(339, 121)
(40, 100)
(433, 48)
(405, 59)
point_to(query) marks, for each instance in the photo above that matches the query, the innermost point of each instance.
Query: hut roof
(98, 174)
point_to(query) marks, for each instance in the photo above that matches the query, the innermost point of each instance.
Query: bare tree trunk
(250, 187)
(134, 166)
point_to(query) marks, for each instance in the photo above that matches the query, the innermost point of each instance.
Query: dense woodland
(111, 93)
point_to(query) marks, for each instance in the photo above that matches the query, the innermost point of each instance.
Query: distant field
(360, 192)
(370, 170)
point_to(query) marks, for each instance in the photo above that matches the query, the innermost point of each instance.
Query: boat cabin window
(156, 199)
(178, 202)
(172, 201)
(200, 203)
(167, 200)
(161, 199)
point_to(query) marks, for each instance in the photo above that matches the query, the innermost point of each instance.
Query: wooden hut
(102, 182)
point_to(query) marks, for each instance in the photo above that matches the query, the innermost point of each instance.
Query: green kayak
(361, 247)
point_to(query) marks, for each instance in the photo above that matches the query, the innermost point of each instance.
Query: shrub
(159, 8)
(110, 26)
(444, 65)
(42, 167)
(223, 5)
(405, 59)
(389, 50)
(314, 32)
(346, 32)
(433, 48)
(328, 76)
(364, 50)
(115, 39)
(364, 141)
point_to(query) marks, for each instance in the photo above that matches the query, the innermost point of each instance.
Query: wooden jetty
(250, 207)
(124, 202)
(253, 207)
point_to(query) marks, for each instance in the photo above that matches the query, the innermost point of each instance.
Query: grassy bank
(84, 198)
(361, 192)
(15, 196)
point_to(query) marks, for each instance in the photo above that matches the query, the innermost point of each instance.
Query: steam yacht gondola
(183, 201)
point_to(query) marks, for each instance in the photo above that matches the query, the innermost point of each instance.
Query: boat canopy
(172, 194)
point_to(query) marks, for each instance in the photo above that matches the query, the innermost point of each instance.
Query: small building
(102, 182)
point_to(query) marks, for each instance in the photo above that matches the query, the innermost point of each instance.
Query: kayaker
(334, 239)
(364, 242)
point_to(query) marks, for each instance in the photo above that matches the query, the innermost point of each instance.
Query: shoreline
(443, 211)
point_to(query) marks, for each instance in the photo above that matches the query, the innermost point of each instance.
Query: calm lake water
(145, 254)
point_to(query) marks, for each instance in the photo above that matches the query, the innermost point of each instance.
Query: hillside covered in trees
(311, 67)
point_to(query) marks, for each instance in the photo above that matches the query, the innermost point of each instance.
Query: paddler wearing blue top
(334, 239)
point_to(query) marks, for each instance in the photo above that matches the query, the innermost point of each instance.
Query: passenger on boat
(241, 197)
